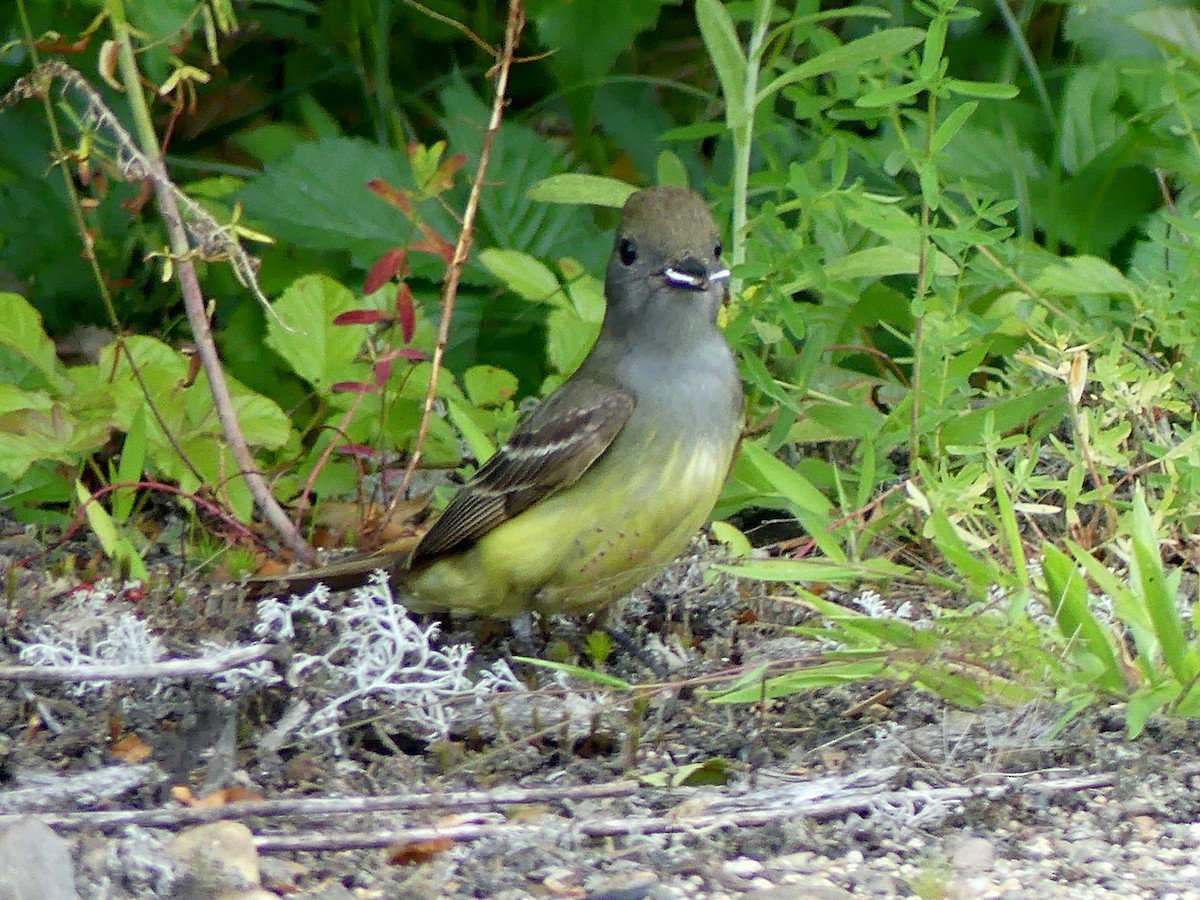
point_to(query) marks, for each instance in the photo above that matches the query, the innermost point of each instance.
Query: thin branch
(461, 801)
(171, 668)
(763, 808)
(193, 295)
(512, 35)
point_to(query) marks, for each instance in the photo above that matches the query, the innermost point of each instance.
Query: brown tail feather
(346, 573)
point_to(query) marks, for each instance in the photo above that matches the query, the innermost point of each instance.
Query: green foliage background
(936, 208)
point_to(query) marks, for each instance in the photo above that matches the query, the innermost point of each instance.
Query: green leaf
(1156, 589)
(589, 35)
(1069, 605)
(815, 570)
(1145, 703)
(521, 273)
(935, 45)
(131, 467)
(1044, 406)
(877, 262)
(793, 487)
(670, 170)
(984, 90)
(317, 350)
(480, 445)
(600, 678)
(25, 339)
(733, 539)
(1176, 30)
(489, 385)
(317, 197)
(950, 127)
(826, 675)
(115, 545)
(1074, 275)
(896, 93)
(577, 187)
(13, 399)
(848, 57)
(725, 53)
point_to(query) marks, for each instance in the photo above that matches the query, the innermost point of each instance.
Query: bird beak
(691, 274)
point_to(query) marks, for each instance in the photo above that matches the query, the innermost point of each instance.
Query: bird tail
(349, 572)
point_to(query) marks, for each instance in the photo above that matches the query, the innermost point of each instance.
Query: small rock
(971, 856)
(1038, 847)
(1147, 827)
(220, 857)
(812, 889)
(627, 886)
(743, 867)
(801, 861)
(34, 862)
(1088, 850)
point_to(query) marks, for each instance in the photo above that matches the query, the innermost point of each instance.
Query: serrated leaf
(317, 197)
(25, 337)
(489, 385)
(317, 350)
(589, 35)
(508, 217)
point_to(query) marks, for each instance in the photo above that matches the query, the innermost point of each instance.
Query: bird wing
(549, 451)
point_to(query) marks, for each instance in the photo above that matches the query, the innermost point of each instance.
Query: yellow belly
(579, 550)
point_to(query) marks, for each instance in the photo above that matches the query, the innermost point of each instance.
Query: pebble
(971, 855)
(743, 867)
(34, 862)
(220, 858)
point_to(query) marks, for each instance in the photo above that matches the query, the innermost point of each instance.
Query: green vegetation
(964, 238)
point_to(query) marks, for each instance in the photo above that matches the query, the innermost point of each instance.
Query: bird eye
(717, 248)
(627, 250)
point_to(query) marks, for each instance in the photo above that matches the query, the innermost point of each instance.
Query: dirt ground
(564, 788)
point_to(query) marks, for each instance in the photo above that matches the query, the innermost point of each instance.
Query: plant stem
(743, 137)
(189, 284)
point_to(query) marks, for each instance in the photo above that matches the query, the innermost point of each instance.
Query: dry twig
(512, 35)
(462, 801)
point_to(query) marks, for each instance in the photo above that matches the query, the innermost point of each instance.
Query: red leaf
(362, 451)
(397, 197)
(411, 353)
(443, 178)
(363, 317)
(60, 46)
(406, 311)
(451, 166)
(416, 853)
(436, 244)
(353, 387)
(392, 264)
(383, 371)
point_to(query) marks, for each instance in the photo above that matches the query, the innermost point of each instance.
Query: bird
(610, 478)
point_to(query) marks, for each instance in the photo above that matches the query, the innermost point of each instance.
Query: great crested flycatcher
(610, 477)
